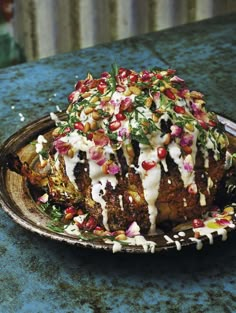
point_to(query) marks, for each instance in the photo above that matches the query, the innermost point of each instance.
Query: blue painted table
(39, 275)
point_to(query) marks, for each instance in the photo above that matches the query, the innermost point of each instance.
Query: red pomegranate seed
(79, 126)
(90, 136)
(126, 104)
(198, 223)
(169, 94)
(78, 85)
(212, 123)
(146, 76)
(133, 77)
(120, 117)
(171, 72)
(105, 75)
(114, 125)
(203, 124)
(161, 152)
(73, 96)
(147, 165)
(123, 73)
(102, 86)
(120, 88)
(90, 224)
(178, 109)
(159, 76)
(70, 210)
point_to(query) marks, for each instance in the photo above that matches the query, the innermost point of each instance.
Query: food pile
(136, 147)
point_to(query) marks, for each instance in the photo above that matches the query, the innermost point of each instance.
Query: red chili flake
(161, 152)
(198, 223)
(169, 94)
(79, 126)
(114, 125)
(147, 165)
(178, 109)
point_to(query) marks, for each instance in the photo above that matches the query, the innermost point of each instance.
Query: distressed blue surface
(39, 275)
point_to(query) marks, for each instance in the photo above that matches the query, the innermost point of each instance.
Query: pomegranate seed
(198, 223)
(114, 125)
(78, 85)
(98, 228)
(133, 77)
(212, 123)
(81, 87)
(159, 76)
(70, 210)
(146, 76)
(120, 117)
(123, 73)
(171, 72)
(102, 86)
(169, 94)
(90, 224)
(120, 88)
(182, 93)
(147, 165)
(203, 124)
(73, 96)
(161, 152)
(105, 75)
(126, 104)
(90, 136)
(79, 126)
(178, 109)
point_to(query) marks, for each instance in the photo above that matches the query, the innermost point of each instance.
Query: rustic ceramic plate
(18, 202)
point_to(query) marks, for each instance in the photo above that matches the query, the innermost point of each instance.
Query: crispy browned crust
(175, 204)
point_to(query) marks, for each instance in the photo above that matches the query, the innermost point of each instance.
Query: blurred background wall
(46, 27)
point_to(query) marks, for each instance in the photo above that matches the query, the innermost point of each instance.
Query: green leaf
(56, 228)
